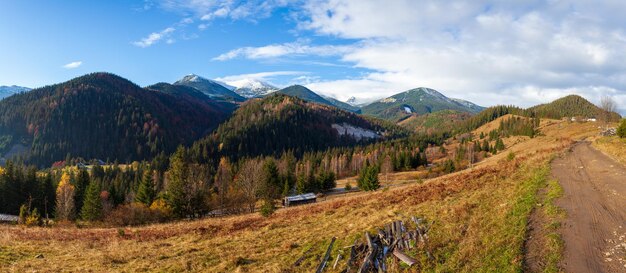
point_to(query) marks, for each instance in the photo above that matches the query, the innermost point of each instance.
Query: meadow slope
(480, 224)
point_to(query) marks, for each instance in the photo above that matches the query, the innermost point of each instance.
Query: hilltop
(570, 106)
(417, 101)
(277, 123)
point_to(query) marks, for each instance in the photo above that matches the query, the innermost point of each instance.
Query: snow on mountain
(6, 91)
(213, 89)
(251, 88)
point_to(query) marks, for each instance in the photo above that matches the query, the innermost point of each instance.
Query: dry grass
(480, 225)
(613, 146)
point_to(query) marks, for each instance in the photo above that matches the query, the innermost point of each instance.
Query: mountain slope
(102, 116)
(342, 105)
(6, 91)
(306, 94)
(446, 120)
(277, 123)
(570, 106)
(419, 101)
(210, 88)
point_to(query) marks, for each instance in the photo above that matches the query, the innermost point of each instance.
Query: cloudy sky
(488, 52)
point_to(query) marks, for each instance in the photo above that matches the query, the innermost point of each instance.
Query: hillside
(444, 120)
(480, 221)
(210, 88)
(306, 94)
(570, 106)
(102, 116)
(417, 101)
(278, 123)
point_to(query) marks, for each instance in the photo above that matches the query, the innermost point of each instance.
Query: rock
(39, 256)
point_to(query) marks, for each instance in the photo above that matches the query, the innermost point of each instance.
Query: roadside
(594, 198)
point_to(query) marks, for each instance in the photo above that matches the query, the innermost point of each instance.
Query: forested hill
(570, 106)
(103, 116)
(278, 123)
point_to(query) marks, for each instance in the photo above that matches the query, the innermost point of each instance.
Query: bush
(268, 208)
(510, 156)
(136, 214)
(348, 187)
(621, 130)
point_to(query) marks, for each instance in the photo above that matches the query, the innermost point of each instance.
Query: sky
(488, 52)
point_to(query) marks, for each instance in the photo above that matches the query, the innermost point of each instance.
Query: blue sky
(489, 52)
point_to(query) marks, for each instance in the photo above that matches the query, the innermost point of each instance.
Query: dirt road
(595, 201)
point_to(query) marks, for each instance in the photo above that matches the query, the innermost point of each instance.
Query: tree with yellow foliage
(65, 199)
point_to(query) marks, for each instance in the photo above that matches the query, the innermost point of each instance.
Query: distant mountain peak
(6, 91)
(211, 88)
(421, 100)
(251, 88)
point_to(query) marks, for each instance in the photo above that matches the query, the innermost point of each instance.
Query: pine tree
(178, 176)
(146, 193)
(92, 207)
(301, 184)
(81, 184)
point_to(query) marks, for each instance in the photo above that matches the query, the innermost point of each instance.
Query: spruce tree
(178, 176)
(146, 193)
(92, 205)
(81, 183)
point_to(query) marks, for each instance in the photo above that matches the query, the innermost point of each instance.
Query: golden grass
(480, 224)
(613, 146)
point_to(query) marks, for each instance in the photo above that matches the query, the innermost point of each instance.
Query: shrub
(621, 130)
(348, 187)
(137, 214)
(268, 208)
(510, 156)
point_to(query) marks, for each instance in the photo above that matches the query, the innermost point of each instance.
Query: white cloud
(279, 50)
(73, 65)
(264, 76)
(490, 52)
(155, 37)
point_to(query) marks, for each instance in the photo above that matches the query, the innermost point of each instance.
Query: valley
(480, 219)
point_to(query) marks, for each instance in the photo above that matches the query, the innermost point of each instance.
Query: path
(594, 198)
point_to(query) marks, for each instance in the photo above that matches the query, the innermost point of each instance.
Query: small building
(5, 218)
(300, 199)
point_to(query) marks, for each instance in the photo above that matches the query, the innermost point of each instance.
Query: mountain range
(104, 116)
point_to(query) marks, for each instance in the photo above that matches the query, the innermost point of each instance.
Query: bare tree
(248, 182)
(387, 168)
(608, 107)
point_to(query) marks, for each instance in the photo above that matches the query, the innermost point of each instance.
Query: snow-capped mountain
(6, 91)
(352, 101)
(251, 88)
(213, 89)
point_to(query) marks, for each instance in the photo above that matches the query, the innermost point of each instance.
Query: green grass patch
(553, 245)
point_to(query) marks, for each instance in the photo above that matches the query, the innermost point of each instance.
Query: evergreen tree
(81, 182)
(499, 145)
(301, 184)
(178, 176)
(621, 130)
(146, 193)
(368, 179)
(92, 205)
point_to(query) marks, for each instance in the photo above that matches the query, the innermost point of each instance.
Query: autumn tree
(65, 199)
(607, 104)
(248, 182)
(223, 177)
